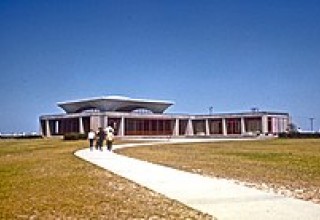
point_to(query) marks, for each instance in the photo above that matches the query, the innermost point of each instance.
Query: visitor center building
(143, 117)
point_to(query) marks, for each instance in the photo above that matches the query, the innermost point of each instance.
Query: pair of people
(100, 136)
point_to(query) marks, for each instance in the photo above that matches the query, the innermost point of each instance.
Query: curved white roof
(114, 103)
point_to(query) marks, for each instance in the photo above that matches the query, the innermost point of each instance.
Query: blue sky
(230, 54)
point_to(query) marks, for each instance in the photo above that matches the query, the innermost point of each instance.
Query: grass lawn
(42, 179)
(290, 167)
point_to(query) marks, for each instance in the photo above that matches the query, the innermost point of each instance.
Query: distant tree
(292, 128)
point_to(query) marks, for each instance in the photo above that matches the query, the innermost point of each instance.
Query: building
(141, 117)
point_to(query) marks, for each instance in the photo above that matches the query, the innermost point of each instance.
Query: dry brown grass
(290, 167)
(42, 179)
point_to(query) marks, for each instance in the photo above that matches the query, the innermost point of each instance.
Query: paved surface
(220, 198)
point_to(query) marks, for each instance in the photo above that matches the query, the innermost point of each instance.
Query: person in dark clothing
(101, 136)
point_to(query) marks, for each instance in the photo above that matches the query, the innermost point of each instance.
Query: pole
(311, 123)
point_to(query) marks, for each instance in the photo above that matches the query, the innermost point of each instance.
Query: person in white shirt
(91, 137)
(110, 137)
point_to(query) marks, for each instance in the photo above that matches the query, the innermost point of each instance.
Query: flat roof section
(114, 104)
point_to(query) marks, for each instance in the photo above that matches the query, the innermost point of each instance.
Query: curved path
(220, 198)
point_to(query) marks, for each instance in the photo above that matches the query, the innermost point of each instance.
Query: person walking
(110, 137)
(101, 137)
(91, 137)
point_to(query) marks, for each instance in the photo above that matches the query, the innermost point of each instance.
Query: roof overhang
(114, 104)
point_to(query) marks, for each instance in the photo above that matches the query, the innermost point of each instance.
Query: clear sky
(229, 54)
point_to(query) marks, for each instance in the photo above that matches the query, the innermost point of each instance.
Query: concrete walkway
(220, 198)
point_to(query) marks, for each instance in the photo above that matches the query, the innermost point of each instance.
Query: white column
(189, 128)
(176, 128)
(41, 128)
(105, 121)
(243, 126)
(282, 125)
(264, 123)
(81, 129)
(224, 127)
(275, 123)
(94, 122)
(56, 131)
(122, 127)
(207, 127)
(48, 131)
